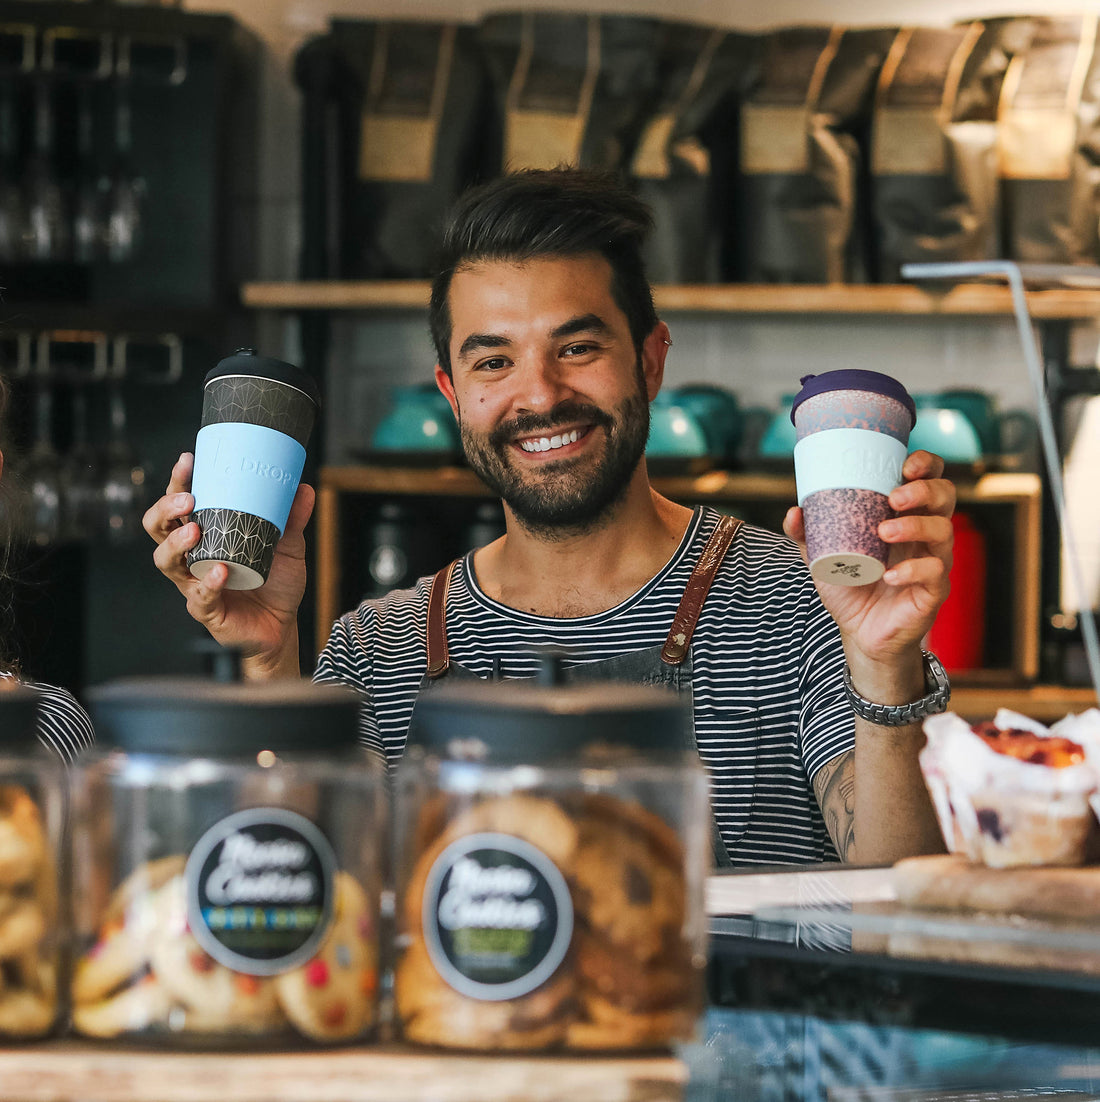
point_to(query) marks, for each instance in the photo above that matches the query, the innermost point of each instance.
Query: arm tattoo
(835, 788)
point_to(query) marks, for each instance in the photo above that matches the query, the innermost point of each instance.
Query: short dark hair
(538, 213)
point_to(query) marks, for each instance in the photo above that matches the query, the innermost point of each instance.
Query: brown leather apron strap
(696, 590)
(439, 657)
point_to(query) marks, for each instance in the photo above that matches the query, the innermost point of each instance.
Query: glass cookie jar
(230, 843)
(552, 848)
(33, 922)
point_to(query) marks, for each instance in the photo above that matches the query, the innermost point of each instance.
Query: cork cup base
(845, 569)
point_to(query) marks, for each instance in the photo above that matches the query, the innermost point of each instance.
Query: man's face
(552, 399)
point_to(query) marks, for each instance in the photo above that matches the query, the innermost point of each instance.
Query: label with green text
(498, 917)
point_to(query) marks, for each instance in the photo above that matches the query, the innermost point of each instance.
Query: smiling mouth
(552, 443)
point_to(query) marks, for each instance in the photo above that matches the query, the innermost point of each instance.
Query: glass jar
(552, 849)
(33, 923)
(230, 843)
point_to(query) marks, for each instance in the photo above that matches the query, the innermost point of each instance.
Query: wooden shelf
(933, 300)
(1045, 703)
(1020, 491)
(64, 1072)
(717, 485)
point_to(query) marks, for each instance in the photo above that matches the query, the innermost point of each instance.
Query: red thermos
(958, 635)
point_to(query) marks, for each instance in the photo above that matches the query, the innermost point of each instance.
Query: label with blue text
(249, 468)
(848, 459)
(260, 890)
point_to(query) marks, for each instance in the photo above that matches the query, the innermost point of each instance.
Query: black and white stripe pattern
(766, 682)
(63, 725)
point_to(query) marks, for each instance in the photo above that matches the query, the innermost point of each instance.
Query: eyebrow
(584, 323)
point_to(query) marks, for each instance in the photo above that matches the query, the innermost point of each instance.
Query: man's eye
(494, 364)
(578, 349)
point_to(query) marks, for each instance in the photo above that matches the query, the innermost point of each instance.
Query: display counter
(822, 986)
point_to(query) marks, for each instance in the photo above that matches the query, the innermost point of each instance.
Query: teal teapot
(419, 421)
(944, 431)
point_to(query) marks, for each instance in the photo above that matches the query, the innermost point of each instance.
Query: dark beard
(570, 497)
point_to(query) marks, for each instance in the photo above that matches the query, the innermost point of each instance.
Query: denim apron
(668, 665)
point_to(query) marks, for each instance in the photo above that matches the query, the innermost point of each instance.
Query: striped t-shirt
(63, 725)
(767, 670)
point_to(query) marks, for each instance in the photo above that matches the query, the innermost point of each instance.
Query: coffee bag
(569, 89)
(935, 192)
(1049, 141)
(801, 170)
(404, 103)
(684, 163)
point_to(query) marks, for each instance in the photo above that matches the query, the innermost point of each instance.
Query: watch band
(901, 715)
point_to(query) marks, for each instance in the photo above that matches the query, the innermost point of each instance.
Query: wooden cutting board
(952, 883)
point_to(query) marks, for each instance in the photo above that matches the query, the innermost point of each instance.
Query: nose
(541, 383)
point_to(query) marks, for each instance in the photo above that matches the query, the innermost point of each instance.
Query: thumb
(301, 510)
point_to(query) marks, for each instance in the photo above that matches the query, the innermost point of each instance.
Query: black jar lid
(521, 721)
(19, 719)
(198, 718)
(246, 361)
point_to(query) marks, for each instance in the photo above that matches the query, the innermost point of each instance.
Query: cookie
(21, 930)
(143, 1005)
(432, 1012)
(332, 996)
(626, 889)
(122, 951)
(26, 1013)
(213, 997)
(616, 976)
(22, 841)
(145, 880)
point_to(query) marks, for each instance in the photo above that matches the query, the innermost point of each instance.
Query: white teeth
(545, 444)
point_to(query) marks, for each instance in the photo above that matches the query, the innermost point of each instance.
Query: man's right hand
(262, 623)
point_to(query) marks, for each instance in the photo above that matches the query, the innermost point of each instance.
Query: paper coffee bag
(684, 163)
(935, 188)
(801, 168)
(1049, 143)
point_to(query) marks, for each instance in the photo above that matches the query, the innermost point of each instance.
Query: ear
(446, 388)
(654, 350)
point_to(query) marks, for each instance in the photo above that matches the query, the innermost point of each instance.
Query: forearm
(893, 814)
(281, 664)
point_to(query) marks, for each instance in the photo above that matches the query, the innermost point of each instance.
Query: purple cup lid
(855, 378)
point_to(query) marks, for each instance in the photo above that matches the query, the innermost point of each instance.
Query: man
(549, 353)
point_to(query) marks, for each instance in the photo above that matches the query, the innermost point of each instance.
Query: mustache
(564, 413)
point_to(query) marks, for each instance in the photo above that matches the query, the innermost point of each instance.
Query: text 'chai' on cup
(853, 433)
(257, 414)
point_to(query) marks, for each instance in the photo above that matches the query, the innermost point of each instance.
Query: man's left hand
(888, 617)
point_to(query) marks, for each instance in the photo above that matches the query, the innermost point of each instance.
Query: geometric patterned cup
(257, 414)
(853, 435)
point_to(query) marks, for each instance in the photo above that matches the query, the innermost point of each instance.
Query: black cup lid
(245, 361)
(855, 378)
(521, 721)
(223, 719)
(18, 719)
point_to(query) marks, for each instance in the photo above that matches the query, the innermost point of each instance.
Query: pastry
(22, 841)
(213, 997)
(332, 997)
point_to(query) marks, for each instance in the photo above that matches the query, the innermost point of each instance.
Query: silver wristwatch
(937, 694)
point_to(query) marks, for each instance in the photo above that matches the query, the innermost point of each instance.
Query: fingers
(170, 557)
(922, 464)
(170, 512)
(927, 572)
(933, 531)
(794, 526)
(926, 494)
(301, 509)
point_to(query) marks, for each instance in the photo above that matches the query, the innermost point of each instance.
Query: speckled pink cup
(853, 434)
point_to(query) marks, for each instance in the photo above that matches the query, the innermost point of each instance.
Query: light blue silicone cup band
(848, 459)
(248, 468)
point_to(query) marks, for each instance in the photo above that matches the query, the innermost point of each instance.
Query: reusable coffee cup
(257, 414)
(852, 431)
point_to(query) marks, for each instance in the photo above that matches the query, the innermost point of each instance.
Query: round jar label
(498, 917)
(260, 890)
